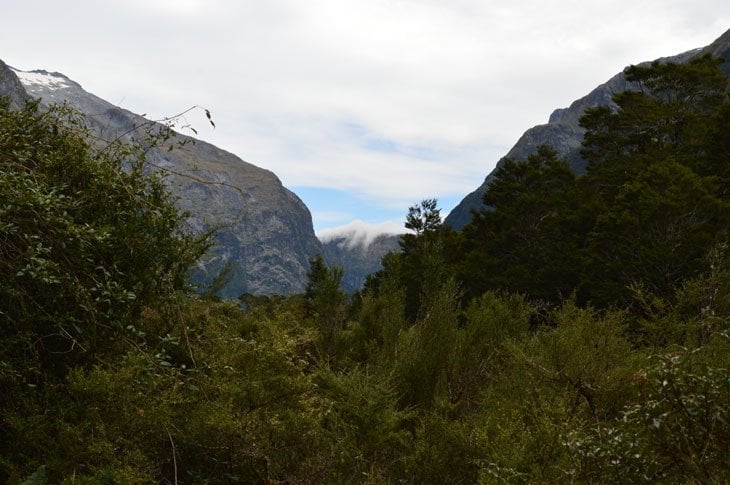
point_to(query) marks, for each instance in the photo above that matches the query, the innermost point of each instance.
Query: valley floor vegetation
(577, 330)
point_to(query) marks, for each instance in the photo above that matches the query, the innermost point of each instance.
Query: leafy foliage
(87, 240)
(424, 217)
(677, 431)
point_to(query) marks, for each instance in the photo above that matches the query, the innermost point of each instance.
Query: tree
(658, 172)
(325, 301)
(424, 217)
(90, 241)
(426, 256)
(671, 113)
(658, 231)
(88, 237)
(527, 240)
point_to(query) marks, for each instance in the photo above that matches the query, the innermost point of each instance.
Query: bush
(677, 431)
(88, 239)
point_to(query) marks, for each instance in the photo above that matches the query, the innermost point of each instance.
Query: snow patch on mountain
(50, 80)
(359, 233)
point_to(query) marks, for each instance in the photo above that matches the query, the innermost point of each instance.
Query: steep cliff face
(358, 260)
(563, 131)
(11, 87)
(721, 48)
(358, 248)
(263, 231)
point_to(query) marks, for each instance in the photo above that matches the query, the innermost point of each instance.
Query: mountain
(358, 248)
(563, 132)
(11, 87)
(264, 231)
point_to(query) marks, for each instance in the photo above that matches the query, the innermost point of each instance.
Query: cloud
(170, 7)
(330, 216)
(392, 100)
(360, 233)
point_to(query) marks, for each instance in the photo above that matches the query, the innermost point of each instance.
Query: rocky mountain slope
(11, 87)
(264, 231)
(563, 132)
(358, 249)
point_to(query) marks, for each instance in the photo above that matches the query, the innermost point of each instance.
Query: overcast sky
(362, 107)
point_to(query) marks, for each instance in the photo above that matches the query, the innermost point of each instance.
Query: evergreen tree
(427, 256)
(325, 301)
(658, 230)
(526, 240)
(657, 173)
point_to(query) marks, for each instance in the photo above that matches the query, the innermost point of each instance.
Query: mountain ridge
(264, 232)
(358, 248)
(360, 233)
(563, 132)
(11, 86)
(358, 260)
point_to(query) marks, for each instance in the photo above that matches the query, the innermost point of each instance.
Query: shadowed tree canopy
(525, 242)
(657, 176)
(653, 202)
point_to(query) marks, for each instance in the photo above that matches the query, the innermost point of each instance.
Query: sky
(361, 107)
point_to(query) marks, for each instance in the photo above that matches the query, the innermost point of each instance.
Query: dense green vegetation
(579, 330)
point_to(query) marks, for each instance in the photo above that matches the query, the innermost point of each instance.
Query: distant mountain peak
(359, 233)
(358, 248)
(42, 78)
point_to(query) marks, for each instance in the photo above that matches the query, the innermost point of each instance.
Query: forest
(577, 330)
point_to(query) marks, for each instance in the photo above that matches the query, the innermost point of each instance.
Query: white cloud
(449, 85)
(169, 7)
(331, 216)
(360, 233)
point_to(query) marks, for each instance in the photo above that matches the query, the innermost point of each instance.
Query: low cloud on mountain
(359, 233)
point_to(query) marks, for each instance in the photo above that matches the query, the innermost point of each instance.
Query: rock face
(564, 133)
(263, 231)
(358, 248)
(358, 260)
(11, 87)
(721, 48)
